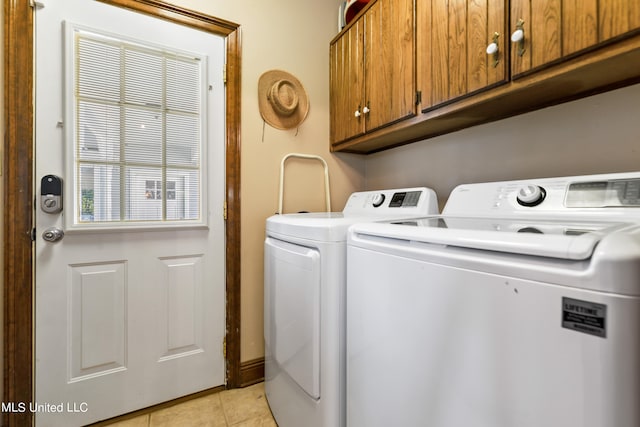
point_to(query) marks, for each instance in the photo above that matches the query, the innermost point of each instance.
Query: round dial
(531, 195)
(378, 200)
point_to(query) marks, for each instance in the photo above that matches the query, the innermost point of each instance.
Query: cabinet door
(556, 29)
(347, 84)
(389, 63)
(453, 37)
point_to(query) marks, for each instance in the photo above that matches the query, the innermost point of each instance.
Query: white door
(130, 303)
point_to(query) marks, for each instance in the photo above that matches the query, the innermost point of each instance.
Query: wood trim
(251, 372)
(18, 190)
(233, 208)
(177, 14)
(18, 214)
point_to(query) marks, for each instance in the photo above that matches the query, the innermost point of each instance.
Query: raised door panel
(425, 50)
(617, 17)
(389, 62)
(347, 84)
(546, 31)
(335, 106)
(458, 48)
(455, 35)
(541, 42)
(486, 24)
(579, 25)
(336, 96)
(439, 34)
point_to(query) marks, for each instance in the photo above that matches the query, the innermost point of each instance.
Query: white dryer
(304, 305)
(519, 306)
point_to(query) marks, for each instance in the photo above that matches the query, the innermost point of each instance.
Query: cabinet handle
(366, 110)
(518, 36)
(357, 113)
(493, 50)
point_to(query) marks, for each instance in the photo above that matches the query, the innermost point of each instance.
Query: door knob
(52, 234)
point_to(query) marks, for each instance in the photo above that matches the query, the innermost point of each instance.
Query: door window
(137, 136)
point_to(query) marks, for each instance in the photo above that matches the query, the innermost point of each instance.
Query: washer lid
(574, 240)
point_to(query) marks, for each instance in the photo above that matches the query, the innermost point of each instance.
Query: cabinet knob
(357, 113)
(365, 110)
(518, 36)
(493, 50)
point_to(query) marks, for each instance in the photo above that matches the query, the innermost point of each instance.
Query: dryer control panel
(405, 201)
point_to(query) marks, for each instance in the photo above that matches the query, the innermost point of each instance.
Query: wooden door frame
(17, 171)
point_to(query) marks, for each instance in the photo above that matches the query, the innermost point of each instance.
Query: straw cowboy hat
(282, 99)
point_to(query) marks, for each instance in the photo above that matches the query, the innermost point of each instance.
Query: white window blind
(138, 144)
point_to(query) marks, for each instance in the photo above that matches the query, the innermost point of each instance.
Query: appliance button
(531, 195)
(378, 200)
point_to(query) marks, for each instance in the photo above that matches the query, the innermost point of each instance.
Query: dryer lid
(566, 240)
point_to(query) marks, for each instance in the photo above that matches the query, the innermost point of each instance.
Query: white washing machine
(304, 304)
(519, 306)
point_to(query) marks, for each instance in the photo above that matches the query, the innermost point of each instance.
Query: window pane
(98, 70)
(183, 140)
(98, 132)
(143, 136)
(144, 194)
(183, 85)
(99, 193)
(143, 78)
(185, 203)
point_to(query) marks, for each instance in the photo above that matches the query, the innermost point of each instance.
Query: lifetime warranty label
(584, 316)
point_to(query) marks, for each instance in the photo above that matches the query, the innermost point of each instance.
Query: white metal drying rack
(326, 178)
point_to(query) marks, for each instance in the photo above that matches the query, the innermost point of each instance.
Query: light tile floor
(242, 407)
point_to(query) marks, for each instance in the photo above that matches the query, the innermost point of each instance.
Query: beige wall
(294, 36)
(594, 135)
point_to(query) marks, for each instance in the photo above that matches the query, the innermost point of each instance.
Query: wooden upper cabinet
(407, 70)
(553, 30)
(372, 74)
(346, 86)
(452, 41)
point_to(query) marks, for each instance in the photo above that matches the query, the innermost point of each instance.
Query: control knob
(531, 195)
(378, 200)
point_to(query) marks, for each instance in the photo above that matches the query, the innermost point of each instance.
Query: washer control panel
(596, 194)
(548, 196)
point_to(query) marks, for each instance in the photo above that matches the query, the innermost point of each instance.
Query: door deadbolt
(51, 194)
(52, 234)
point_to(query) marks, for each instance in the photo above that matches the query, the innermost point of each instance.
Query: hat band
(283, 97)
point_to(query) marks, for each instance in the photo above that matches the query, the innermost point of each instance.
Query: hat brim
(268, 113)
